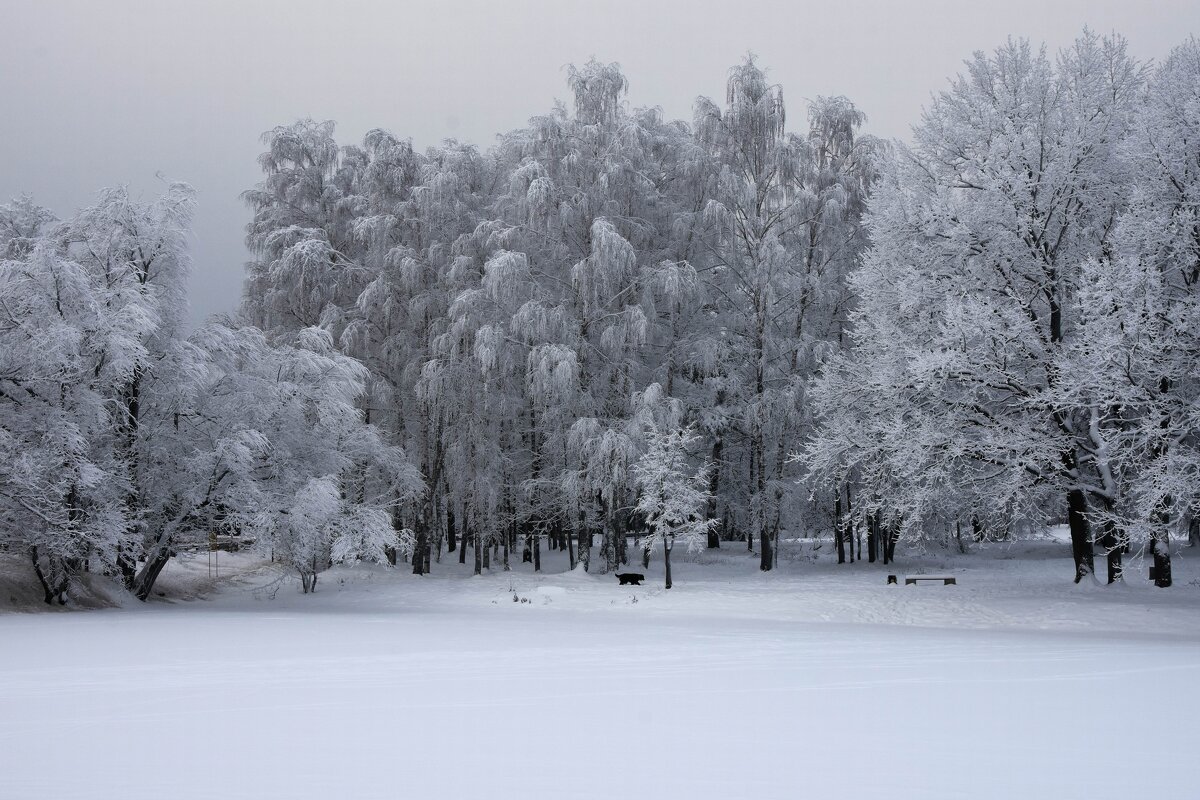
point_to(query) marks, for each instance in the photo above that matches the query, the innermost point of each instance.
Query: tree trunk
(766, 554)
(585, 542)
(127, 566)
(710, 513)
(849, 524)
(872, 534)
(608, 543)
(51, 587)
(478, 548)
(838, 539)
(466, 536)
(883, 541)
(1160, 547)
(1081, 536)
(418, 556)
(890, 531)
(566, 534)
(1110, 540)
(144, 582)
(537, 553)
(667, 545)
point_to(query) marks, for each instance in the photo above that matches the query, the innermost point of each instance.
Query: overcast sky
(104, 92)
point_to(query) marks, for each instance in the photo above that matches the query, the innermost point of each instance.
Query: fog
(95, 94)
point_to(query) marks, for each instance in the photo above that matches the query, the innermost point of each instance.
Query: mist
(143, 93)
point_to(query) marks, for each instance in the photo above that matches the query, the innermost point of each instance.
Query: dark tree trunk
(537, 553)
(418, 556)
(849, 524)
(570, 544)
(1081, 535)
(766, 551)
(466, 537)
(127, 561)
(667, 545)
(890, 531)
(1160, 546)
(872, 534)
(308, 576)
(144, 582)
(451, 533)
(421, 550)
(52, 588)
(1114, 547)
(714, 537)
(838, 539)
(389, 551)
(710, 513)
(127, 566)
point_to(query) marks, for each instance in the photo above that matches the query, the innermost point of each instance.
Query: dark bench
(910, 580)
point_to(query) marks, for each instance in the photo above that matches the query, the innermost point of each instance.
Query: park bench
(909, 580)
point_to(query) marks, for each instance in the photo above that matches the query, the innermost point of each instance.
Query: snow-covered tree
(950, 405)
(124, 440)
(61, 497)
(1134, 363)
(672, 495)
(783, 232)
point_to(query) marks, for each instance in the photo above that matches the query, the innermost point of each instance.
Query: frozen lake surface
(815, 681)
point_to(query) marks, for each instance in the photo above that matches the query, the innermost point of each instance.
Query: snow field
(817, 681)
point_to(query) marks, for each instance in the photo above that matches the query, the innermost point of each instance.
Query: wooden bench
(946, 580)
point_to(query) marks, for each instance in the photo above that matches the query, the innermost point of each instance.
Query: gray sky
(105, 92)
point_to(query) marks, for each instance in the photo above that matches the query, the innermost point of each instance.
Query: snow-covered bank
(815, 681)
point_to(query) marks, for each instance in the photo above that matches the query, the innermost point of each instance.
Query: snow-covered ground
(816, 681)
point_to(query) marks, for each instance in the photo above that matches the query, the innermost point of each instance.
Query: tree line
(613, 324)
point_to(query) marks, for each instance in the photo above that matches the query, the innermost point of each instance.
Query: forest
(611, 333)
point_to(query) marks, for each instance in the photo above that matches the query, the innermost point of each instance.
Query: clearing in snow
(813, 681)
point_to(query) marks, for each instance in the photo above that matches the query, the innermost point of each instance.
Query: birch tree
(672, 496)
